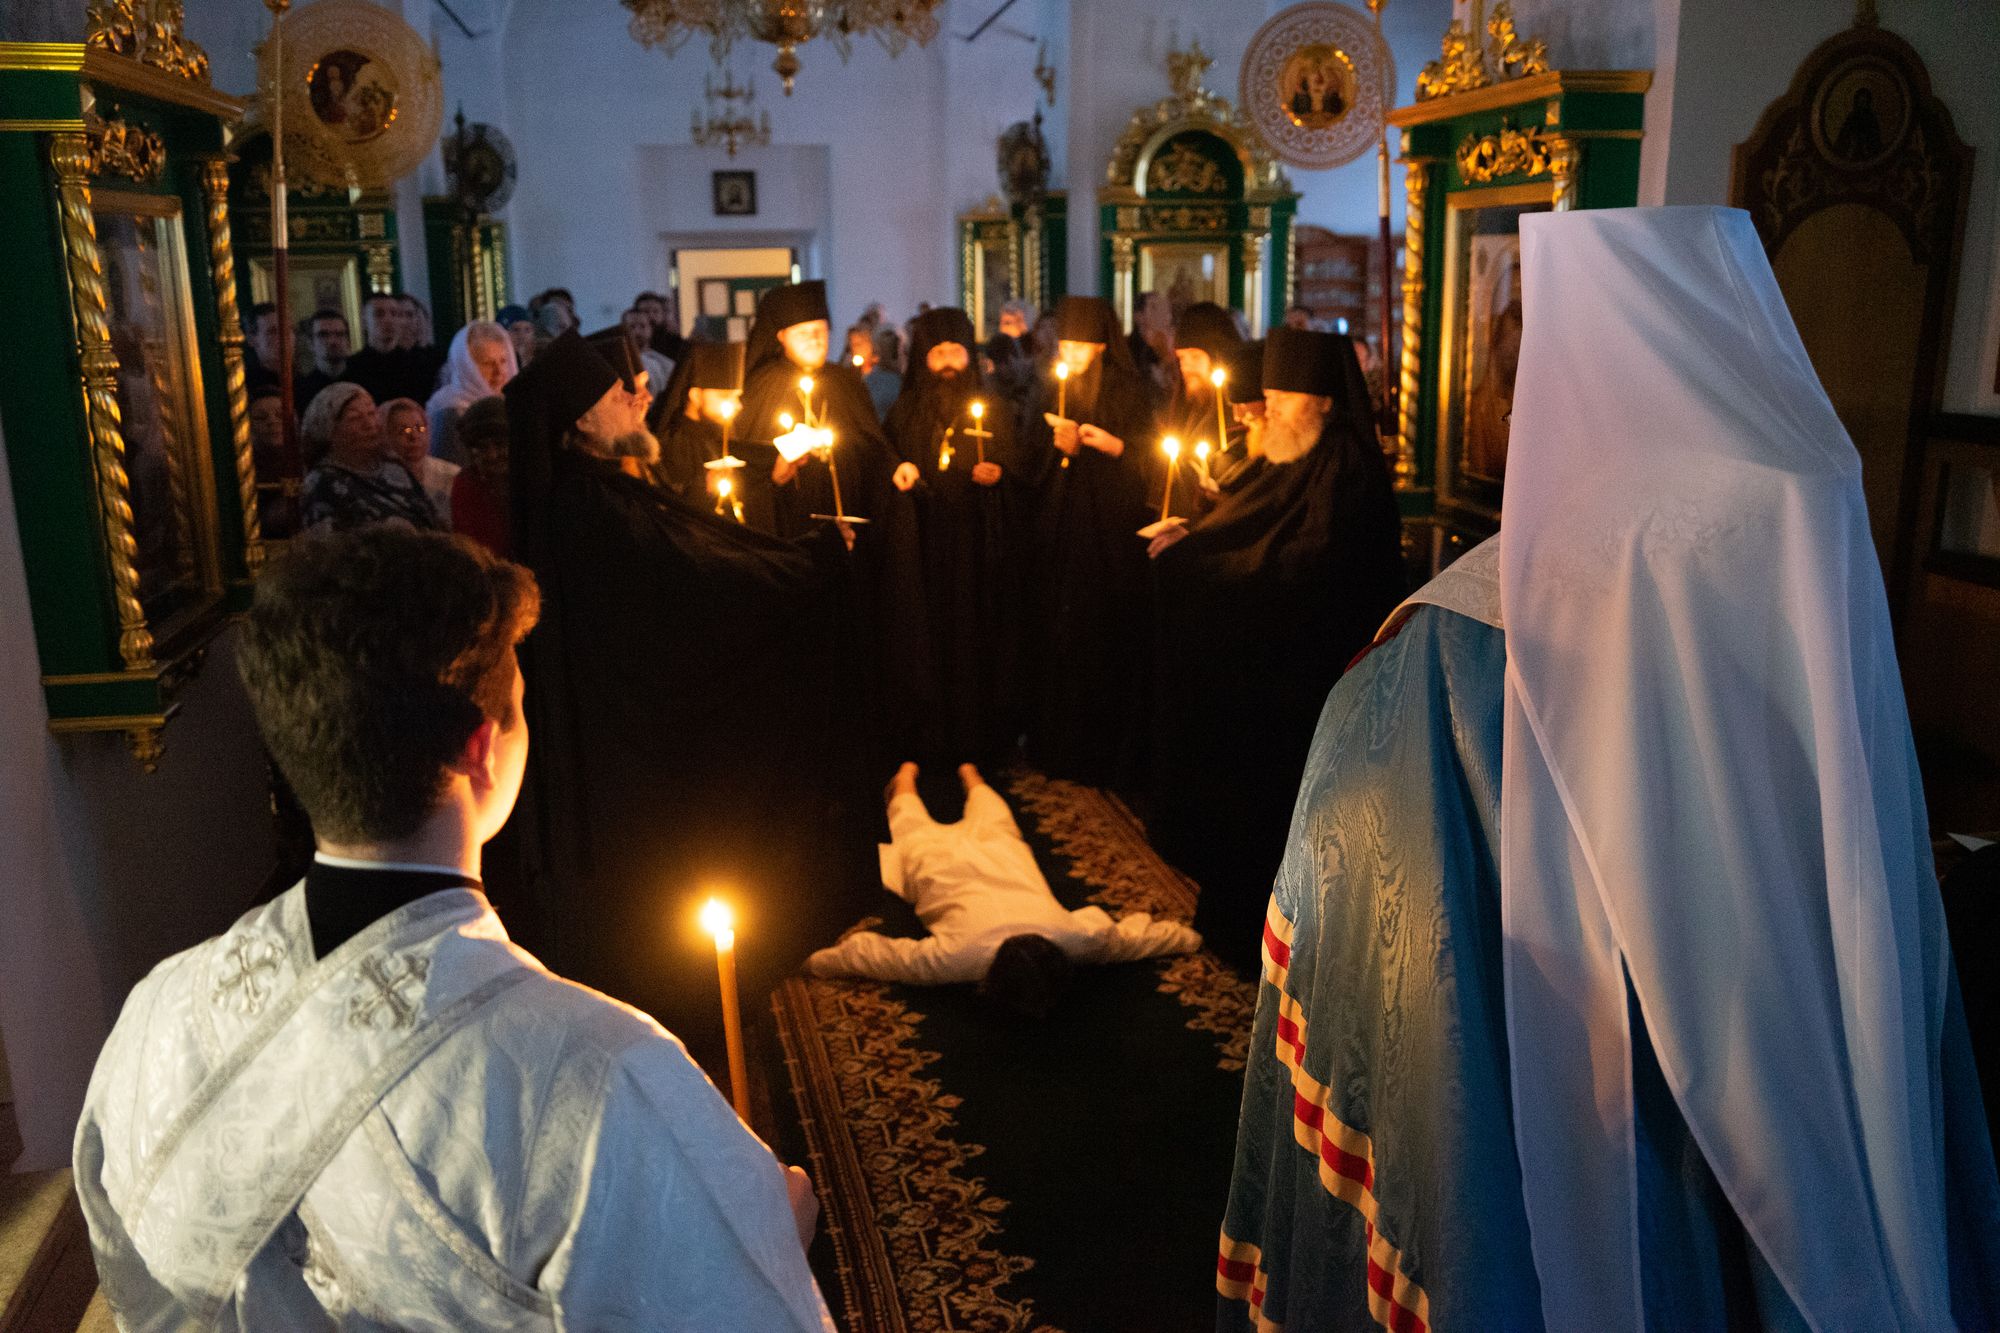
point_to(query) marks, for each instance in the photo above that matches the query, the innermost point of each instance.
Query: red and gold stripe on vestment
(1344, 1155)
(1240, 1276)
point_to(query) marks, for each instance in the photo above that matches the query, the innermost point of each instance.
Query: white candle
(718, 921)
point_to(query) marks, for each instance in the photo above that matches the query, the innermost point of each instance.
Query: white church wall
(588, 105)
(105, 870)
(1733, 60)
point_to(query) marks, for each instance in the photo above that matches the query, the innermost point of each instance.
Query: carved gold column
(1124, 263)
(1565, 166)
(222, 266)
(69, 154)
(1416, 186)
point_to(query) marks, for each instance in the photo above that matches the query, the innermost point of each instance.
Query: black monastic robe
(1259, 610)
(1086, 646)
(971, 575)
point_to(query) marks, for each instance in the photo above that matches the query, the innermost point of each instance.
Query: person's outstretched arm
(1137, 935)
(922, 962)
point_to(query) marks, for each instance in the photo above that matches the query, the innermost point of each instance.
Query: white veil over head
(1709, 790)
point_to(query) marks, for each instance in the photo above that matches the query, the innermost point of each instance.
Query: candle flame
(944, 460)
(729, 408)
(1062, 370)
(1218, 377)
(1172, 446)
(719, 921)
(723, 488)
(1201, 450)
(805, 384)
(978, 409)
(857, 360)
(786, 420)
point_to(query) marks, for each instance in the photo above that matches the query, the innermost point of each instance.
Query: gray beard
(640, 444)
(1287, 445)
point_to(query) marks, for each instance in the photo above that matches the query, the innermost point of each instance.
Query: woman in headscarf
(354, 481)
(481, 362)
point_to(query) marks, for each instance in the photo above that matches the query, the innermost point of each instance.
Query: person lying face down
(989, 911)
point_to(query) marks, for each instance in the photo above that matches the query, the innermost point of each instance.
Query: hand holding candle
(1171, 447)
(719, 922)
(1062, 398)
(979, 431)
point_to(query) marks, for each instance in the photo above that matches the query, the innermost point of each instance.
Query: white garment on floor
(422, 1131)
(974, 885)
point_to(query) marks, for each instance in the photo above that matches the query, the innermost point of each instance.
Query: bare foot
(903, 784)
(969, 775)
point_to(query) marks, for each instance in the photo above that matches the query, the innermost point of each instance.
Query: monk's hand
(785, 469)
(986, 474)
(1065, 431)
(805, 1205)
(846, 533)
(905, 476)
(1176, 530)
(1102, 440)
(1209, 487)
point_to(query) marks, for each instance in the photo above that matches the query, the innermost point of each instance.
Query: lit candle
(826, 449)
(1219, 377)
(857, 360)
(718, 921)
(806, 397)
(1062, 396)
(1172, 448)
(979, 433)
(1201, 459)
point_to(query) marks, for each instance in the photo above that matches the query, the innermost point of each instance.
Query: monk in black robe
(695, 419)
(1087, 644)
(1262, 602)
(883, 616)
(681, 743)
(1205, 342)
(969, 507)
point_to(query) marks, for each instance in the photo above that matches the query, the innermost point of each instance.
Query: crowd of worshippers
(1140, 558)
(1679, 1043)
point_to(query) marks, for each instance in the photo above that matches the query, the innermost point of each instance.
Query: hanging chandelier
(785, 24)
(729, 123)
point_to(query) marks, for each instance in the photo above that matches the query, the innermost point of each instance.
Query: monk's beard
(1285, 443)
(640, 444)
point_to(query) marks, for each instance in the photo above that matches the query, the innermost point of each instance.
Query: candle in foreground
(1062, 396)
(1219, 377)
(718, 921)
(729, 411)
(978, 432)
(1172, 448)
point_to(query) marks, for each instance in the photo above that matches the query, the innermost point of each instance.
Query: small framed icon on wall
(735, 194)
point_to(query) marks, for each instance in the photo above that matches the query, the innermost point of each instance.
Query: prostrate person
(704, 397)
(1683, 1049)
(692, 734)
(1260, 604)
(988, 909)
(972, 509)
(361, 1106)
(1086, 650)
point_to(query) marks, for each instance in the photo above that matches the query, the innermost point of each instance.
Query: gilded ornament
(1192, 107)
(1489, 157)
(148, 31)
(131, 151)
(69, 154)
(1416, 187)
(222, 269)
(1182, 170)
(1464, 64)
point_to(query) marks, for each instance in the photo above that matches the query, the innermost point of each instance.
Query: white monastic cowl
(1709, 785)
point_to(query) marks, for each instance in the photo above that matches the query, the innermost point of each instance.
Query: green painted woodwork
(43, 411)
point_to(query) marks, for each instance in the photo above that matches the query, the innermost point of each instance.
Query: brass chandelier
(785, 24)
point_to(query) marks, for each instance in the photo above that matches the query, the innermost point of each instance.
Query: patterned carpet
(993, 1176)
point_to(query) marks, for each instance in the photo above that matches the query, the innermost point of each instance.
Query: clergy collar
(344, 896)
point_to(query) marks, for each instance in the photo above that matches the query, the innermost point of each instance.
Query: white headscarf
(464, 384)
(1709, 786)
